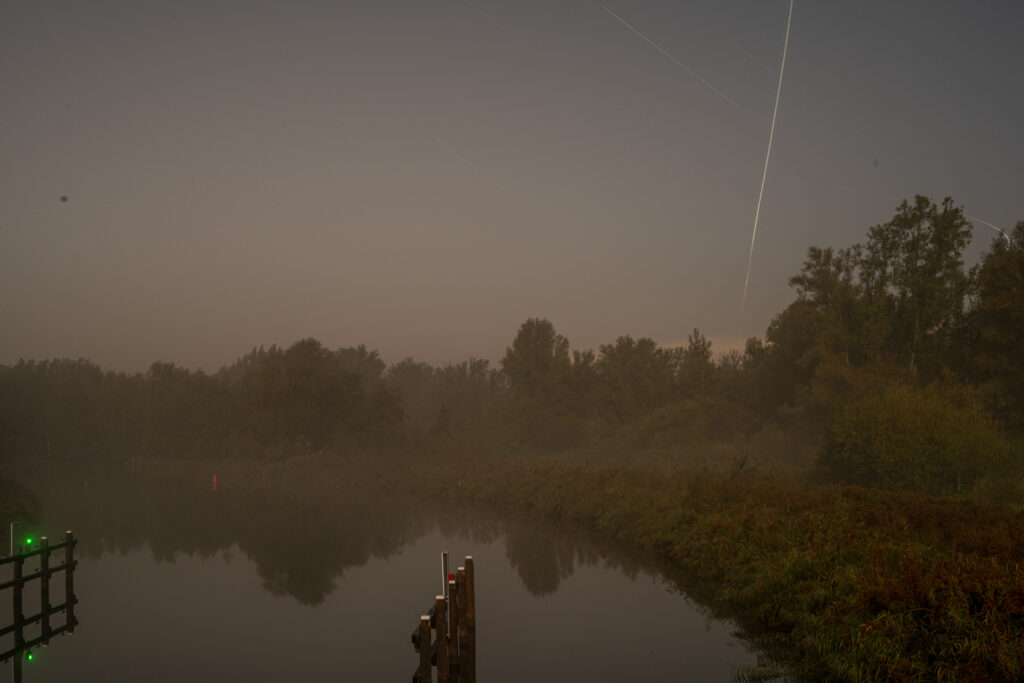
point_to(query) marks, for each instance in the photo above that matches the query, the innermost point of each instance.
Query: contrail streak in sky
(674, 60)
(997, 229)
(467, 161)
(764, 174)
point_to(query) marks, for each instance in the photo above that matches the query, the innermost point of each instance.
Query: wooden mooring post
(20, 622)
(44, 588)
(470, 639)
(452, 650)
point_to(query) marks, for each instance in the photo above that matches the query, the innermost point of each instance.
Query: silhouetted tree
(636, 378)
(695, 370)
(912, 270)
(537, 367)
(990, 346)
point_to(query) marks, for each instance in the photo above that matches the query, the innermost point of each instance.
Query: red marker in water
(215, 483)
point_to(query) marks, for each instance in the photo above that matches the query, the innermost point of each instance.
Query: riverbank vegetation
(848, 485)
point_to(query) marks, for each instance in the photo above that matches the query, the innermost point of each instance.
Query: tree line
(268, 403)
(895, 365)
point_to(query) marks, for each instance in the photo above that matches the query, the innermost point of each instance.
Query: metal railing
(20, 621)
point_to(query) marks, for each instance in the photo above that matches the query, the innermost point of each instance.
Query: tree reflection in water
(540, 560)
(301, 548)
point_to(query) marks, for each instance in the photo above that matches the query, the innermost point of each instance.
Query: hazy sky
(421, 176)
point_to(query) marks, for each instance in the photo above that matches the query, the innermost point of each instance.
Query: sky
(184, 181)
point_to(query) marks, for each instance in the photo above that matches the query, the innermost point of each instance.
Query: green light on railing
(30, 656)
(28, 541)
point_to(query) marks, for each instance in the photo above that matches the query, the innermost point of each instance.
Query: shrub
(937, 440)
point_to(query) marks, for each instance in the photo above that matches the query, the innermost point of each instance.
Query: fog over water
(183, 181)
(181, 582)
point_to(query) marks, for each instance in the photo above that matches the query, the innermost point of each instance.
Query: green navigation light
(30, 656)
(28, 541)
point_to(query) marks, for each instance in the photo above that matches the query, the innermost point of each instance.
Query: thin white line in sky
(996, 228)
(674, 60)
(466, 161)
(764, 174)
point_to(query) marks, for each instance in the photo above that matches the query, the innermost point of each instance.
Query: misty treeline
(896, 366)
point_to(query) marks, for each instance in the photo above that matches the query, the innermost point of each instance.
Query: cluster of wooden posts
(17, 585)
(452, 650)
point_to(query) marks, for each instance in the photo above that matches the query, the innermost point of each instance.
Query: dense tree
(897, 298)
(415, 383)
(585, 387)
(537, 363)
(695, 369)
(309, 395)
(990, 348)
(788, 358)
(51, 409)
(828, 282)
(181, 411)
(912, 270)
(636, 378)
(538, 368)
(362, 362)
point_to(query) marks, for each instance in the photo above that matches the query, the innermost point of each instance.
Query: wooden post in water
(423, 673)
(69, 580)
(453, 629)
(44, 588)
(470, 622)
(470, 593)
(460, 606)
(453, 619)
(19, 617)
(441, 628)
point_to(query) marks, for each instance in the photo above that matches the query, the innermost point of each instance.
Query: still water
(176, 585)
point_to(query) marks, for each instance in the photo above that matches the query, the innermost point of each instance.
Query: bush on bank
(937, 440)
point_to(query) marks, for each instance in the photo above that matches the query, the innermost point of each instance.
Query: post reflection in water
(341, 584)
(36, 629)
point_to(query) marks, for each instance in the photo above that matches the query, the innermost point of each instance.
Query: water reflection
(540, 561)
(301, 549)
(160, 556)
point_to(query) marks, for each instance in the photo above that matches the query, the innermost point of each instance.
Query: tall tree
(636, 377)
(995, 328)
(828, 281)
(538, 369)
(537, 364)
(913, 270)
(695, 370)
